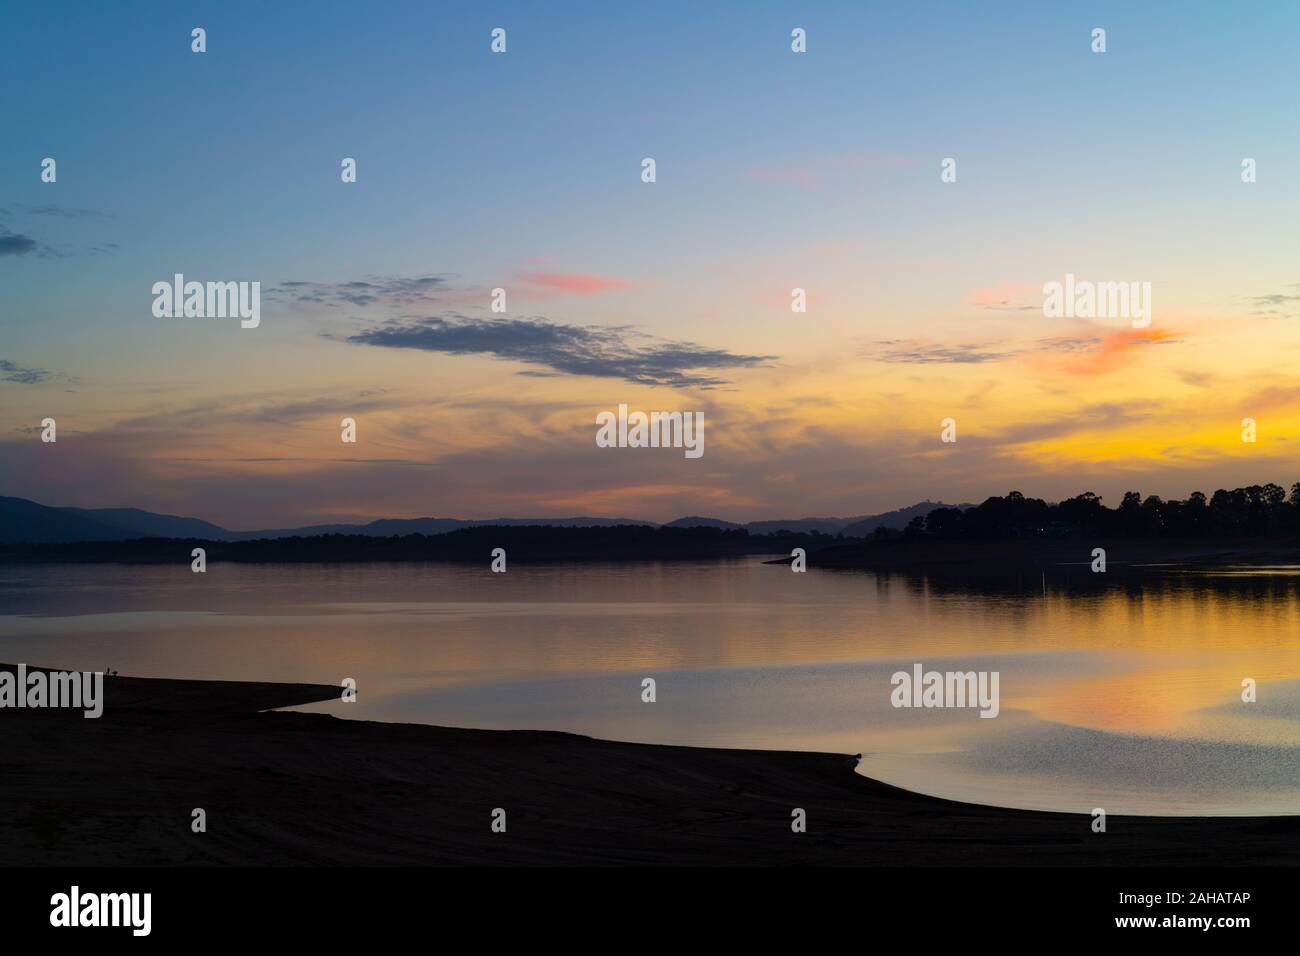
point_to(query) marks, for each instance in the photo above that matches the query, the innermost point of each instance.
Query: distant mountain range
(23, 521)
(857, 527)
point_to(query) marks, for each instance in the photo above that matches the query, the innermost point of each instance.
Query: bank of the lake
(308, 789)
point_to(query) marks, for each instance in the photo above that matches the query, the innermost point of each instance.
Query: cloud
(374, 290)
(16, 244)
(63, 212)
(1197, 379)
(1277, 303)
(576, 350)
(1007, 297)
(1273, 397)
(1115, 349)
(260, 410)
(1069, 343)
(1102, 416)
(9, 372)
(575, 283)
(1091, 353)
(19, 243)
(921, 353)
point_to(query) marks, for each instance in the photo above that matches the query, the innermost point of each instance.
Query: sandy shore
(290, 788)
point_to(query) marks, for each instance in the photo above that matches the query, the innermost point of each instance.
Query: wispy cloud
(10, 372)
(62, 212)
(16, 237)
(274, 410)
(1097, 417)
(923, 353)
(1069, 343)
(1272, 397)
(1115, 349)
(575, 283)
(16, 244)
(1278, 303)
(1088, 353)
(1197, 378)
(1008, 297)
(373, 290)
(617, 352)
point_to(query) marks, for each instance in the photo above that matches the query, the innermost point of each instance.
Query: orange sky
(776, 171)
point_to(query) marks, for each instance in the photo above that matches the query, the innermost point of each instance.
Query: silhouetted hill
(1260, 521)
(858, 526)
(694, 521)
(893, 519)
(388, 527)
(27, 521)
(524, 543)
(23, 520)
(803, 525)
(148, 524)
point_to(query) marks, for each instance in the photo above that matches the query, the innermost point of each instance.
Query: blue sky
(817, 169)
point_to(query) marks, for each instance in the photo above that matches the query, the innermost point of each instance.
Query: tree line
(1255, 511)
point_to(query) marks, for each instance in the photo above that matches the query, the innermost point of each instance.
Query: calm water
(1126, 698)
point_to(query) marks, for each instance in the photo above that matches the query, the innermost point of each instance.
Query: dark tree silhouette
(1254, 511)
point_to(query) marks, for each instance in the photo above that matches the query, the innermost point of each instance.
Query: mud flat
(286, 788)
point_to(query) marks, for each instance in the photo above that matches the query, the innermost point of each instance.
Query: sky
(522, 171)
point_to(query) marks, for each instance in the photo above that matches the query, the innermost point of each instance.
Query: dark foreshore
(285, 788)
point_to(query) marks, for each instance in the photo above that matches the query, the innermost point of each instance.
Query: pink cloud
(575, 283)
(1009, 295)
(1117, 348)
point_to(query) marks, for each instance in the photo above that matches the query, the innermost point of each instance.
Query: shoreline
(290, 788)
(975, 557)
(1001, 556)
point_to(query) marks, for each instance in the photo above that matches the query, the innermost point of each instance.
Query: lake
(1126, 696)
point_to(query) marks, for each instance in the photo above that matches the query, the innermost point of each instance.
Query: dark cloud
(21, 243)
(375, 290)
(16, 244)
(9, 372)
(575, 350)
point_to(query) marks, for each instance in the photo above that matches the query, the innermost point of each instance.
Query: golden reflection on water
(1104, 683)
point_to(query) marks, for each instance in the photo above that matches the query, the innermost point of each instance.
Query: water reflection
(1122, 690)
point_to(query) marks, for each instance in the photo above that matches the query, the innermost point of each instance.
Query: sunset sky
(775, 170)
